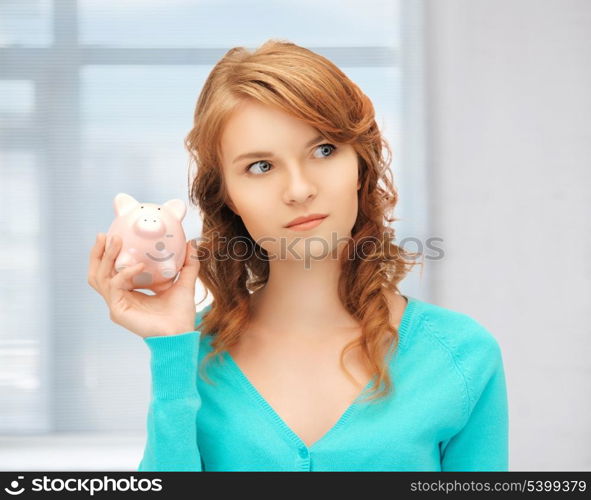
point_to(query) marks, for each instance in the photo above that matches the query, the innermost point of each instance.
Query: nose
(299, 188)
(160, 246)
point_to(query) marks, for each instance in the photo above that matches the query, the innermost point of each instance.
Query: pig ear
(124, 203)
(177, 207)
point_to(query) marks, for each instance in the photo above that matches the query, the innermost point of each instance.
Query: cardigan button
(303, 453)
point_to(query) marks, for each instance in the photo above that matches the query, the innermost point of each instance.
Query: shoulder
(458, 330)
(471, 346)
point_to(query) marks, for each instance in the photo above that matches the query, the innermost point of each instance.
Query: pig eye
(142, 207)
(158, 209)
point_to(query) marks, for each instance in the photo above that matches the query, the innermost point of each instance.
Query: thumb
(190, 270)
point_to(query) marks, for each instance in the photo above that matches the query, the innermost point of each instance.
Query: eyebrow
(258, 154)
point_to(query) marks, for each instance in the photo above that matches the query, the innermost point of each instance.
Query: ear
(124, 204)
(358, 185)
(177, 207)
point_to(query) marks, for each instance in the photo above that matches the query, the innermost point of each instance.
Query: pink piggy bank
(152, 234)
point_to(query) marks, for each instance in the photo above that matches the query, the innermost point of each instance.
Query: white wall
(509, 125)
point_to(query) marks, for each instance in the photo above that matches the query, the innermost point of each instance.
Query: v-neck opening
(345, 416)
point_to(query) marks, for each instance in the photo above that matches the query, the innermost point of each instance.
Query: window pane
(26, 23)
(16, 97)
(134, 121)
(225, 23)
(17, 102)
(23, 385)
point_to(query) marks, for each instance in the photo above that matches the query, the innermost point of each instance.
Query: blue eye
(256, 163)
(329, 146)
(331, 149)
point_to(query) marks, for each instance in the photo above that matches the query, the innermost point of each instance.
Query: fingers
(123, 281)
(190, 270)
(106, 267)
(94, 260)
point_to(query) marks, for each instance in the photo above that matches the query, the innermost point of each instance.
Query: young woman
(306, 319)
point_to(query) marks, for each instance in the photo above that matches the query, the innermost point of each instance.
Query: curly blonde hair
(307, 86)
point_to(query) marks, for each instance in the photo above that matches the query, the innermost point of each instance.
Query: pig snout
(149, 225)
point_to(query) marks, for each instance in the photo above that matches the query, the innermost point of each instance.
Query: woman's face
(298, 173)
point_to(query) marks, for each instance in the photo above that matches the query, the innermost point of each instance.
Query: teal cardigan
(448, 411)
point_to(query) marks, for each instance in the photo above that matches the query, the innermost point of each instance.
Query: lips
(306, 218)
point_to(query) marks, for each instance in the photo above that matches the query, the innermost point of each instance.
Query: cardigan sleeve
(171, 443)
(482, 442)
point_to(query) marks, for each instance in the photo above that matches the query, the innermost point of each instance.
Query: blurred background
(485, 103)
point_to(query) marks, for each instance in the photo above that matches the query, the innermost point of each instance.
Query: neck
(300, 301)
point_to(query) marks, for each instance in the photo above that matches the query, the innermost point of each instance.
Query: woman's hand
(170, 312)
